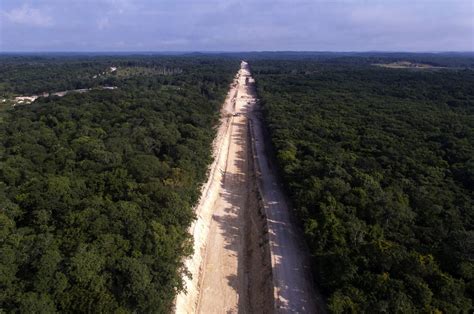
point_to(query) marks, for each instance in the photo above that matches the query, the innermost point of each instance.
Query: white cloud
(121, 6)
(103, 23)
(340, 25)
(28, 16)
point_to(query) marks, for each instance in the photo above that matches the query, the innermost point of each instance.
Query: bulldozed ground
(247, 256)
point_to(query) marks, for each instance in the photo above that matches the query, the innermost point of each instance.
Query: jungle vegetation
(379, 165)
(97, 189)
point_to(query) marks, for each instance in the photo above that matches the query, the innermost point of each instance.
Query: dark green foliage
(379, 165)
(38, 74)
(97, 191)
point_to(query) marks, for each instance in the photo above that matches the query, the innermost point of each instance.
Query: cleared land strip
(291, 276)
(293, 287)
(248, 257)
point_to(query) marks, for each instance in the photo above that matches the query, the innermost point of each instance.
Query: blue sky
(236, 25)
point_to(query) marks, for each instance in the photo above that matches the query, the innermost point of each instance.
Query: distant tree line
(42, 74)
(379, 165)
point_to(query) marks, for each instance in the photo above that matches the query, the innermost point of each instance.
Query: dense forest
(458, 60)
(38, 74)
(379, 165)
(96, 189)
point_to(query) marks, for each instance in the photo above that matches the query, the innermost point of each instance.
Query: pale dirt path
(216, 281)
(221, 274)
(223, 288)
(293, 287)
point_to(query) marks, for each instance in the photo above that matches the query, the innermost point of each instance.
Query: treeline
(97, 189)
(39, 74)
(379, 164)
(443, 59)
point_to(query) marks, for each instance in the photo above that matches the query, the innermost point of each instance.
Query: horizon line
(231, 51)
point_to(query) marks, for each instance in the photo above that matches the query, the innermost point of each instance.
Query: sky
(236, 25)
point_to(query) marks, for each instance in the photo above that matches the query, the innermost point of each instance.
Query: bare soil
(248, 257)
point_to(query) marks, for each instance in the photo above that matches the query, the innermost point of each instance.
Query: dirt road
(219, 283)
(293, 287)
(244, 262)
(223, 283)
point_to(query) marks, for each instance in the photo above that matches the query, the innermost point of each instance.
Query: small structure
(25, 99)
